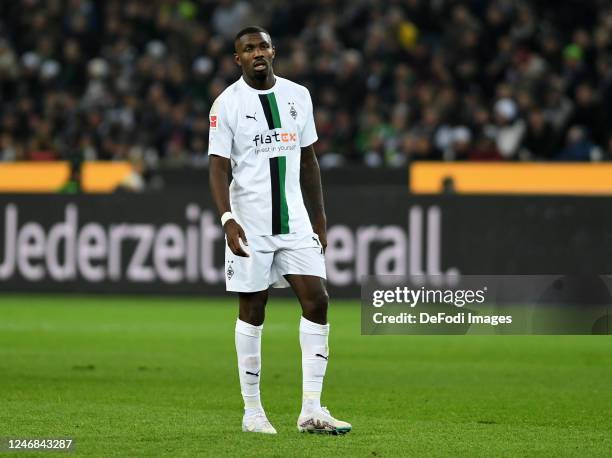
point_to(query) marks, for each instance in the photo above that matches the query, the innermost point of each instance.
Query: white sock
(313, 340)
(248, 349)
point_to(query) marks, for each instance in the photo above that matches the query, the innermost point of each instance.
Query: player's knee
(252, 315)
(318, 302)
(322, 300)
(253, 310)
(257, 306)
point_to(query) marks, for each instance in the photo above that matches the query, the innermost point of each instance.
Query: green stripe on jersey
(274, 109)
(284, 209)
(278, 194)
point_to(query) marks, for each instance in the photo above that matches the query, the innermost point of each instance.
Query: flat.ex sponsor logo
(276, 137)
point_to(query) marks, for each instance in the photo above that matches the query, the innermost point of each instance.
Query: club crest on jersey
(230, 271)
(213, 122)
(292, 111)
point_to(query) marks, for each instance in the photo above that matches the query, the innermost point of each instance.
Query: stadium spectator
(579, 147)
(540, 141)
(510, 128)
(393, 81)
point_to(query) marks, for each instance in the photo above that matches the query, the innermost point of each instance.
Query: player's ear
(273, 51)
(237, 59)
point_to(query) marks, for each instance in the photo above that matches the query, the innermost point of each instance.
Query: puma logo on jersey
(252, 117)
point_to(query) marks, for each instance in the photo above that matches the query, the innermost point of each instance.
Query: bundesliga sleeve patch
(213, 122)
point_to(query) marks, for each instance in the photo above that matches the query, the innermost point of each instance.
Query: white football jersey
(261, 132)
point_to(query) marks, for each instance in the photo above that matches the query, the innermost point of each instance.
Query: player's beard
(261, 76)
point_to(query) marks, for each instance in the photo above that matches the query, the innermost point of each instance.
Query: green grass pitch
(143, 376)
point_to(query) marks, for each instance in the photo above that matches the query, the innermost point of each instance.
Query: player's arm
(220, 139)
(312, 191)
(219, 168)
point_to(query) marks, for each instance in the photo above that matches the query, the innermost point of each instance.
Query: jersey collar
(257, 91)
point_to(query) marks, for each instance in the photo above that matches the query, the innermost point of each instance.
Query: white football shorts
(271, 257)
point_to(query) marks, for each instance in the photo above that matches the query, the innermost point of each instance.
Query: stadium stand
(392, 81)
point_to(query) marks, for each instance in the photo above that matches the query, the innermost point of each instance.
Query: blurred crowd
(391, 81)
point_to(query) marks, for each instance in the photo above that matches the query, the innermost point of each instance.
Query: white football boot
(320, 421)
(257, 423)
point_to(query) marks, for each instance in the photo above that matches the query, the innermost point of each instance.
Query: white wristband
(226, 217)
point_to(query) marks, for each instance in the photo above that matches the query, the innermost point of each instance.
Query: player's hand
(320, 228)
(234, 233)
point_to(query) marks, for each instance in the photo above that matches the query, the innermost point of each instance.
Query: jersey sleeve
(309, 132)
(220, 133)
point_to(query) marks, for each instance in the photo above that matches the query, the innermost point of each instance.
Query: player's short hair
(251, 29)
